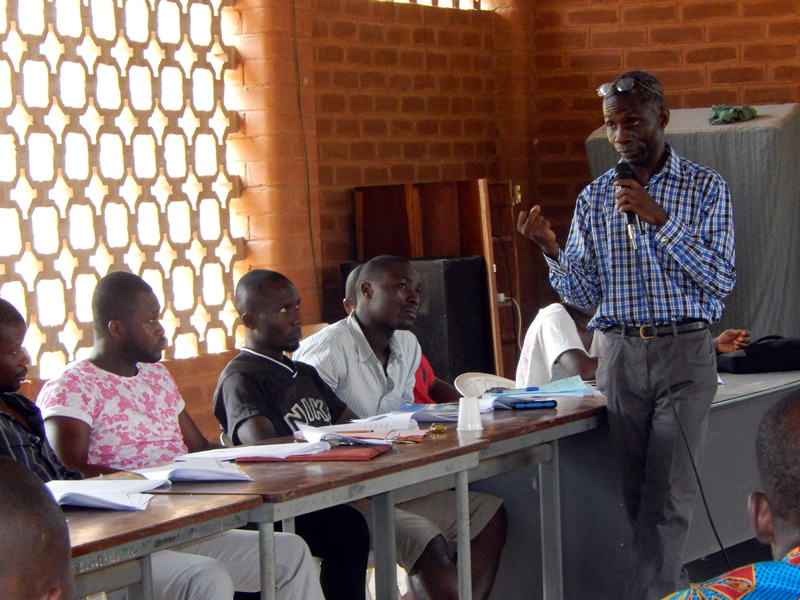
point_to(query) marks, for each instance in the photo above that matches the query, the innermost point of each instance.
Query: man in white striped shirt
(369, 360)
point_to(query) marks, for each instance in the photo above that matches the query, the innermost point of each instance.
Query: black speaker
(452, 326)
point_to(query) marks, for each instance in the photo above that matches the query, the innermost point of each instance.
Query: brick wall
(391, 93)
(394, 93)
(404, 93)
(704, 53)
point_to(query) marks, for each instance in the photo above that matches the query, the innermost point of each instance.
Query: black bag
(769, 353)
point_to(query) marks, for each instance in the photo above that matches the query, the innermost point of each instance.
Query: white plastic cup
(469, 415)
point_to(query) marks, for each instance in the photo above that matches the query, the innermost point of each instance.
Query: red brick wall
(394, 93)
(704, 52)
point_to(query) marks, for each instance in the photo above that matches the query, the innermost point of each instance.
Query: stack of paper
(568, 387)
(324, 434)
(430, 413)
(115, 494)
(198, 469)
(266, 451)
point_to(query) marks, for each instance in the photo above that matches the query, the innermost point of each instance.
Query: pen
(498, 391)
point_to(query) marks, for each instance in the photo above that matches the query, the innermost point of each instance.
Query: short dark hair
(777, 449)
(27, 507)
(351, 286)
(250, 288)
(114, 298)
(9, 315)
(650, 88)
(379, 265)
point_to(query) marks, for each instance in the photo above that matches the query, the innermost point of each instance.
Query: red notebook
(338, 453)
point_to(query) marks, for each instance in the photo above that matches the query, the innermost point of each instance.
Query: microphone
(623, 170)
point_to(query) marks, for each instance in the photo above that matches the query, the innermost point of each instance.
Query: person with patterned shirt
(121, 410)
(774, 516)
(653, 368)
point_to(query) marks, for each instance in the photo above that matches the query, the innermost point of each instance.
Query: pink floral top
(134, 420)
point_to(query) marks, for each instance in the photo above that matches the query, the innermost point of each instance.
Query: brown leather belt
(648, 331)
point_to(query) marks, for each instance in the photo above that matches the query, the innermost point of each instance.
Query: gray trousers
(658, 481)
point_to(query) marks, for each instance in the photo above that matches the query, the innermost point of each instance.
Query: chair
(474, 384)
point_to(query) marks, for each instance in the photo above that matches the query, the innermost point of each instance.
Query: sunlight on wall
(112, 157)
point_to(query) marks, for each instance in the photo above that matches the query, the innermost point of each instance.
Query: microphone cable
(662, 364)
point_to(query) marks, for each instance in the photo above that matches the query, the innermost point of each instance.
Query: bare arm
(70, 439)
(257, 429)
(347, 416)
(194, 440)
(731, 340)
(536, 228)
(441, 392)
(577, 362)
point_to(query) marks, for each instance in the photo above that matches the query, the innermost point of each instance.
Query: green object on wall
(725, 113)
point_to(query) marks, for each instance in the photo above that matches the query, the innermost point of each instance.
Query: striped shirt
(688, 262)
(346, 362)
(30, 446)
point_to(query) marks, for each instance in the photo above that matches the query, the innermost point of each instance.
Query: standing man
(369, 360)
(653, 368)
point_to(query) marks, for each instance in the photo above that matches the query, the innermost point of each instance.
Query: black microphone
(623, 170)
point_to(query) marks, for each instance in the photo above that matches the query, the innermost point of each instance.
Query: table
(563, 459)
(518, 441)
(594, 524)
(288, 489)
(111, 549)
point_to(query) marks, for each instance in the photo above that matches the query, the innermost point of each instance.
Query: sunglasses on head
(623, 85)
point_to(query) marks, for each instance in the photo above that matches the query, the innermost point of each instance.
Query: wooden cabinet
(447, 219)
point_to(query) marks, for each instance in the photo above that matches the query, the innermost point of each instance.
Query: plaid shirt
(688, 261)
(30, 446)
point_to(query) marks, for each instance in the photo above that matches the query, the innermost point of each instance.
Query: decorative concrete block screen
(112, 157)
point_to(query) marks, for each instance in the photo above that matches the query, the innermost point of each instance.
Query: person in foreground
(35, 556)
(683, 225)
(560, 344)
(369, 360)
(262, 394)
(121, 410)
(774, 516)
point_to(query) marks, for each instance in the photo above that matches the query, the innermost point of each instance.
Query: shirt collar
(363, 349)
(280, 363)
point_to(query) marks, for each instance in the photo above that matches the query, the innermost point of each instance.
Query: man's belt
(647, 331)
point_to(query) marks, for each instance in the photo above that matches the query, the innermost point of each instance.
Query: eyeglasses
(623, 85)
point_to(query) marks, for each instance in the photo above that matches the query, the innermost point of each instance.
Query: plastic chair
(474, 384)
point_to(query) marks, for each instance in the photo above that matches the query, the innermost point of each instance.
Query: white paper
(115, 494)
(567, 387)
(387, 422)
(263, 451)
(199, 469)
(317, 434)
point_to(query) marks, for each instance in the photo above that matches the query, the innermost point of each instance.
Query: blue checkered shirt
(688, 262)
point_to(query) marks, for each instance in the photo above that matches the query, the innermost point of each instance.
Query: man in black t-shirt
(262, 394)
